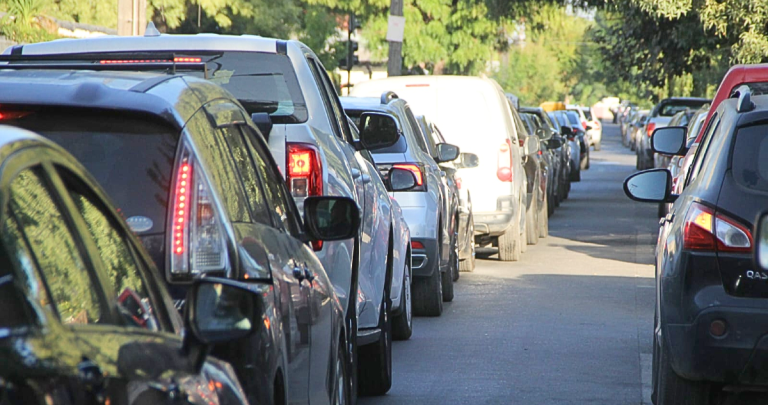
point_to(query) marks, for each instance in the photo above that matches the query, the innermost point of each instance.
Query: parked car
(194, 179)
(582, 136)
(474, 114)
(464, 228)
(636, 128)
(558, 154)
(680, 119)
(624, 123)
(659, 117)
(536, 216)
(286, 91)
(424, 206)
(574, 145)
(591, 125)
(710, 302)
(84, 312)
(675, 166)
(547, 162)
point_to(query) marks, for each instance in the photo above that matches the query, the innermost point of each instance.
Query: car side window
(283, 212)
(333, 97)
(416, 128)
(24, 282)
(701, 152)
(250, 178)
(327, 99)
(72, 287)
(133, 298)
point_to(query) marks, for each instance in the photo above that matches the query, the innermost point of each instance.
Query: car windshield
(130, 156)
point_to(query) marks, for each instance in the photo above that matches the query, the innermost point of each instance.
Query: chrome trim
(415, 260)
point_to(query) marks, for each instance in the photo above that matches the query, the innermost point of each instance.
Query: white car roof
(112, 43)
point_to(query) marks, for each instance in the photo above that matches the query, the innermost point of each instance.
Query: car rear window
(750, 169)
(262, 82)
(587, 113)
(131, 157)
(756, 89)
(671, 108)
(400, 147)
(573, 117)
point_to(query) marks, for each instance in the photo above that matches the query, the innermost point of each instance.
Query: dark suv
(711, 321)
(194, 179)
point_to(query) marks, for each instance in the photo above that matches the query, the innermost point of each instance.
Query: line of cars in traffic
(711, 316)
(269, 240)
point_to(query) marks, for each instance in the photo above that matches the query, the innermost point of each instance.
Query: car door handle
(356, 173)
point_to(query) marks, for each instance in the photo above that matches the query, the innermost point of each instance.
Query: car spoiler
(169, 62)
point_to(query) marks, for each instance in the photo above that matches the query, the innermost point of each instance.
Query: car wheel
(662, 210)
(675, 390)
(509, 244)
(587, 160)
(455, 253)
(544, 220)
(523, 236)
(468, 264)
(341, 396)
(532, 222)
(428, 295)
(597, 146)
(575, 176)
(402, 324)
(375, 366)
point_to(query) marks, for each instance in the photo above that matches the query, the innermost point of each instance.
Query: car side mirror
(761, 242)
(670, 141)
(531, 145)
(554, 142)
(447, 152)
(567, 131)
(400, 179)
(263, 122)
(220, 310)
(468, 160)
(653, 185)
(331, 218)
(378, 130)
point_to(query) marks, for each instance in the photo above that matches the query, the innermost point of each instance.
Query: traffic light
(350, 59)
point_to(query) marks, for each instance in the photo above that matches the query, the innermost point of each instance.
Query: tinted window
(671, 108)
(418, 134)
(701, 151)
(247, 170)
(750, 157)
(587, 113)
(54, 249)
(120, 265)
(756, 89)
(573, 118)
(130, 156)
(262, 82)
(400, 147)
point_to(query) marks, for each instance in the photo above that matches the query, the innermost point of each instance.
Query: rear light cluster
(416, 168)
(650, 127)
(707, 231)
(504, 162)
(177, 59)
(584, 124)
(196, 237)
(13, 115)
(305, 176)
(417, 245)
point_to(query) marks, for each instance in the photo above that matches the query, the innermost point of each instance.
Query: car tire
(455, 253)
(509, 245)
(341, 396)
(532, 223)
(402, 324)
(468, 264)
(598, 146)
(584, 163)
(375, 366)
(672, 389)
(575, 177)
(523, 236)
(428, 295)
(662, 211)
(544, 220)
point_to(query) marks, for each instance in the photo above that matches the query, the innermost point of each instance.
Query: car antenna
(151, 30)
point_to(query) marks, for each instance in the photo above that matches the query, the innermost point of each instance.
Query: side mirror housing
(331, 218)
(653, 185)
(219, 310)
(468, 160)
(378, 130)
(531, 145)
(263, 122)
(761, 242)
(670, 141)
(447, 152)
(400, 179)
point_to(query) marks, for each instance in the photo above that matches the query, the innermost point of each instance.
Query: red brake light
(187, 60)
(417, 245)
(305, 175)
(177, 59)
(584, 124)
(697, 231)
(12, 115)
(415, 169)
(650, 127)
(504, 162)
(458, 182)
(417, 85)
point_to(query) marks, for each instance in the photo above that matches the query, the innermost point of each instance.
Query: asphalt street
(569, 324)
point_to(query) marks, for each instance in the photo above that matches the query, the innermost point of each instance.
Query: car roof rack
(129, 61)
(744, 94)
(388, 96)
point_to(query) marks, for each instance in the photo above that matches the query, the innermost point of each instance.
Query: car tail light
(196, 239)
(178, 59)
(13, 115)
(650, 127)
(418, 174)
(458, 182)
(584, 124)
(504, 161)
(595, 124)
(417, 245)
(521, 142)
(705, 230)
(305, 176)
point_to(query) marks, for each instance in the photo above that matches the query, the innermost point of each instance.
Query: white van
(474, 114)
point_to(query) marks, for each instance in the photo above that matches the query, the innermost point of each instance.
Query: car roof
(758, 113)
(368, 103)
(165, 42)
(151, 93)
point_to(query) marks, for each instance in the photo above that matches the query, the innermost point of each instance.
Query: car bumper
(424, 261)
(738, 357)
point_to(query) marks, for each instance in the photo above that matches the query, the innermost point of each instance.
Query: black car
(84, 316)
(573, 144)
(552, 153)
(195, 181)
(711, 303)
(583, 137)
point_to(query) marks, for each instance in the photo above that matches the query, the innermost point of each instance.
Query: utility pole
(395, 61)
(131, 17)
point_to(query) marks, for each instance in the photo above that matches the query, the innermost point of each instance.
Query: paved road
(569, 324)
